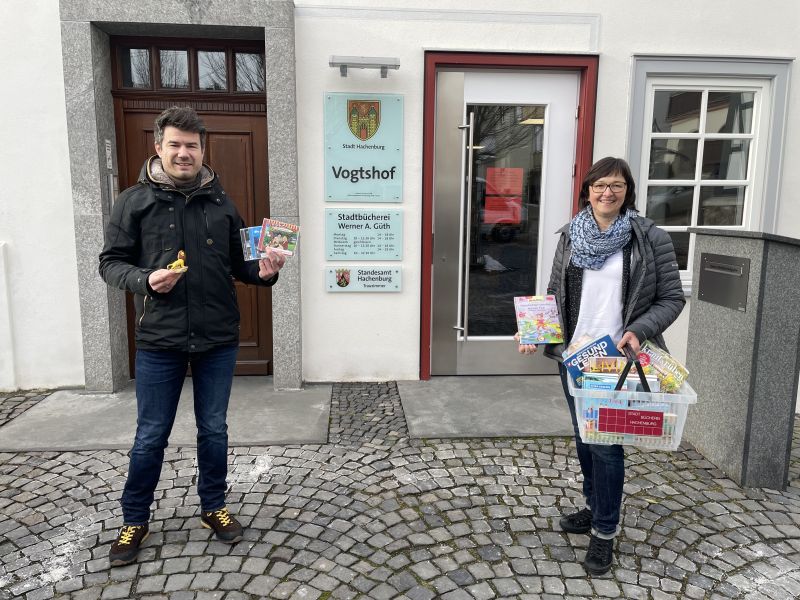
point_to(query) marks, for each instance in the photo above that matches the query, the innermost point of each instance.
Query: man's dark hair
(180, 117)
(603, 168)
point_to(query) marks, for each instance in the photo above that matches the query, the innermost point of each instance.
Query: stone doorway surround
(85, 30)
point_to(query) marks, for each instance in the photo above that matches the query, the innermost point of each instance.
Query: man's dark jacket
(150, 223)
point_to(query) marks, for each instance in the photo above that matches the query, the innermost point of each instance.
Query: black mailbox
(723, 280)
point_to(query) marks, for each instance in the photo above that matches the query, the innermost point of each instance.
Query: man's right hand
(525, 348)
(163, 280)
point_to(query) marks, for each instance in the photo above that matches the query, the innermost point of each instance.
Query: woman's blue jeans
(159, 380)
(603, 469)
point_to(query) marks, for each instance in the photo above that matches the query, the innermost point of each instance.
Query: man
(184, 317)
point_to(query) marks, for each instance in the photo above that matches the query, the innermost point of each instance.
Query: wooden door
(236, 149)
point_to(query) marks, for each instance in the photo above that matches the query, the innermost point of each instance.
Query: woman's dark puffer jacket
(655, 295)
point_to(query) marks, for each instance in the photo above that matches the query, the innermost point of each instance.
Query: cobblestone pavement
(373, 514)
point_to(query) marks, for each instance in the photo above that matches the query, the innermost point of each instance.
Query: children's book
(578, 361)
(671, 373)
(537, 320)
(250, 237)
(281, 236)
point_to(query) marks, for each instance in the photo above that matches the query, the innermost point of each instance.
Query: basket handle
(633, 359)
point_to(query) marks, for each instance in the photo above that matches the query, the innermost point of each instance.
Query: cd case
(250, 238)
(281, 237)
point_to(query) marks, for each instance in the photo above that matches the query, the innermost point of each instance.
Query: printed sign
(363, 147)
(363, 279)
(363, 234)
(635, 422)
(503, 181)
(503, 210)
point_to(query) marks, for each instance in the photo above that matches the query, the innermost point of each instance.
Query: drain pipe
(8, 379)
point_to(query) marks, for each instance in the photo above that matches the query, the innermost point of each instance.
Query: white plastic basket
(652, 420)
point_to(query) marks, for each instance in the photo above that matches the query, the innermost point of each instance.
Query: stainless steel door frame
(453, 353)
(448, 225)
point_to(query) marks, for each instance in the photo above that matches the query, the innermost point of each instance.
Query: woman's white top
(601, 301)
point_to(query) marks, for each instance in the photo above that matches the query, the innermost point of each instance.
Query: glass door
(503, 199)
(502, 187)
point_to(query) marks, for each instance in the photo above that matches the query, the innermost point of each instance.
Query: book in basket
(671, 373)
(281, 236)
(578, 361)
(537, 320)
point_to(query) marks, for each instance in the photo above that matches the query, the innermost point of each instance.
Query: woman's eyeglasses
(599, 188)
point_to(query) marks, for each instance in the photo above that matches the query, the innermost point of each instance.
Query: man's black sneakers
(224, 525)
(599, 556)
(126, 546)
(578, 522)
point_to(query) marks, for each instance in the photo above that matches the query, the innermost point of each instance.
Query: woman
(614, 273)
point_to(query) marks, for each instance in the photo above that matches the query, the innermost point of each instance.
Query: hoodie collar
(153, 172)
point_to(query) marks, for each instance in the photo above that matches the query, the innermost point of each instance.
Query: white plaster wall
(346, 337)
(376, 336)
(36, 218)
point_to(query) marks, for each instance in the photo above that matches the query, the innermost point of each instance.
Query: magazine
(537, 320)
(671, 373)
(578, 361)
(281, 236)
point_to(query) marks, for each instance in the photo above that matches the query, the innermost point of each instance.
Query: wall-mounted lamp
(364, 62)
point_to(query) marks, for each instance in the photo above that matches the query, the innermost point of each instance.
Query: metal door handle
(468, 223)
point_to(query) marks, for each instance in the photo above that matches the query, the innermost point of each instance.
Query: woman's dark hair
(603, 168)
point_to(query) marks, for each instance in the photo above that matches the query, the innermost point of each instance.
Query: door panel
(504, 154)
(236, 150)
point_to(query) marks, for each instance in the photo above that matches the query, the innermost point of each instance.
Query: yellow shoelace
(223, 516)
(127, 533)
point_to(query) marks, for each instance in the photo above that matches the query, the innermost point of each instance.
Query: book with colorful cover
(670, 372)
(578, 361)
(280, 236)
(537, 320)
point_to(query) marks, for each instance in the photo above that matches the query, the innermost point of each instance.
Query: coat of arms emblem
(342, 277)
(363, 117)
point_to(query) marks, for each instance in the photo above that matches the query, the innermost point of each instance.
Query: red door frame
(585, 65)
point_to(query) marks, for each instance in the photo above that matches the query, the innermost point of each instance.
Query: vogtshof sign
(363, 147)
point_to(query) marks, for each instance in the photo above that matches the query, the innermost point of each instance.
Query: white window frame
(754, 178)
(768, 76)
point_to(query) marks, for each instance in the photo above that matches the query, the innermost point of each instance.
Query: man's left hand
(269, 266)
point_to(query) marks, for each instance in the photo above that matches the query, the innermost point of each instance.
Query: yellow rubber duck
(178, 264)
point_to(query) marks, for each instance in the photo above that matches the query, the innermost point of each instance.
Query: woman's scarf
(590, 246)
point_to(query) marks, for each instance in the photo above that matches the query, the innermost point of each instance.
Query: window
(206, 66)
(704, 149)
(249, 72)
(174, 65)
(699, 164)
(212, 70)
(135, 67)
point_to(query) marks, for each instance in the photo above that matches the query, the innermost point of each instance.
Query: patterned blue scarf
(590, 246)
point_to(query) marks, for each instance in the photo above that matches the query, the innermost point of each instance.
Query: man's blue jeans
(603, 469)
(159, 379)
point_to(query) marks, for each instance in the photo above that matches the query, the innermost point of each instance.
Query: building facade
(501, 114)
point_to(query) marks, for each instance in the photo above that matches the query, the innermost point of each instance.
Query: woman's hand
(630, 339)
(525, 348)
